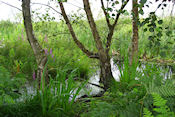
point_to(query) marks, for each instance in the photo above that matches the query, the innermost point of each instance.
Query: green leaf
(150, 38)
(160, 22)
(147, 113)
(157, 43)
(116, 2)
(141, 11)
(113, 14)
(109, 9)
(145, 29)
(168, 33)
(151, 29)
(159, 34)
(143, 1)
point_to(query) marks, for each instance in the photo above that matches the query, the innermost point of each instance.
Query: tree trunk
(102, 55)
(104, 58)
(106, 77)
(135, 36)
(40, 56)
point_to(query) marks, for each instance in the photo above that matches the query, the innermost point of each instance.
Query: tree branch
(119, 13)
(106, 14)
(11, 5)
(78, 43)
(48, 6)
(111, 30)
(93, 26)
(75, 5)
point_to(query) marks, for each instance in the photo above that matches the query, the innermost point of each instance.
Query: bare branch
(78, 43)
(48, 6)
(11, 5)
(106, 14)
(74, 5)
(91, 83)
(111, 31)
(96, 85)
(94, 56)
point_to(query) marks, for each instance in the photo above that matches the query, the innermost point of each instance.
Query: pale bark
(135, 35)
(40, 56)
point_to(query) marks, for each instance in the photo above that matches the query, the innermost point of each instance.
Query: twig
(74, 5)
(96, 85)
(10, 5)
(48, 6)
(106, 14)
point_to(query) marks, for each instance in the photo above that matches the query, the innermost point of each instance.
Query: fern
(160, 107)
(147, 113)
(165, 90)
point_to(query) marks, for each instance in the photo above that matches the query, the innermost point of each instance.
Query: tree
(40, 56)
(135, 34)
(102, 55)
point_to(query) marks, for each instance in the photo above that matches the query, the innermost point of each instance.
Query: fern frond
(147, 113)
(158, 100)
(161, 106)
(167, 90)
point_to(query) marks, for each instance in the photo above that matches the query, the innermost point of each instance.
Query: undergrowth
(142, 90)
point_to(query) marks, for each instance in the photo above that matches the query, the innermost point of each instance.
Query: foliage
(130, 97)
(9, 87)
(160, 107)
(60, 95)
(128, 73)
(63, 51)
(56, 99)
(166, 89)
(133, 98)
(147, 113)
(119, 102)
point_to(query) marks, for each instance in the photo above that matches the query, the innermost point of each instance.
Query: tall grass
(59, 96)
(64, 49)
(56, 99)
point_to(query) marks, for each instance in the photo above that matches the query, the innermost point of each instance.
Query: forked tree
(40, 56)
(102, 54)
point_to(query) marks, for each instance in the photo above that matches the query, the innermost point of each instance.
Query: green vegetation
(148, 95)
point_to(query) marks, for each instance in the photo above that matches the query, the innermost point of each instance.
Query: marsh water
(165, 71)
